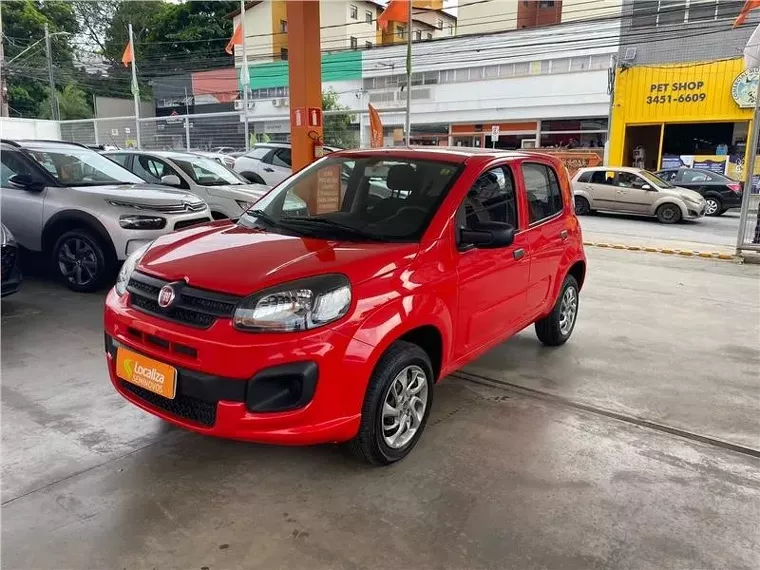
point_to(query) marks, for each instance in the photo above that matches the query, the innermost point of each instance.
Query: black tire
(369, 444)
(582, 207)
(95, 260)
(252, 177)
(550, 330)
(714, 206)
(668, 214)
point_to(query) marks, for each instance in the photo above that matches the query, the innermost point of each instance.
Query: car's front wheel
(557, 326)
(669, 214)
(396, 406)
(582, 207)
(713, 207)
(81, 261)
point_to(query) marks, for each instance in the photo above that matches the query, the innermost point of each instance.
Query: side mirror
(489, 235)
(646, 187)
(26, 182)
(171, 180)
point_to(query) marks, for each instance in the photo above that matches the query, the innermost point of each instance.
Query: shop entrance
(698, 138)
(642, 146)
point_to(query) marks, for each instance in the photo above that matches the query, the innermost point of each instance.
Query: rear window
(585, 177)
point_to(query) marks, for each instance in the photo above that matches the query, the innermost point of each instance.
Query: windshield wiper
(333, 224)
(271, 221)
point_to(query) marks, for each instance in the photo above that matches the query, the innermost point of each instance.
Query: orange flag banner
(129, 55)
(375, 128)
(235, 40)
(749, 5)
(396, 11)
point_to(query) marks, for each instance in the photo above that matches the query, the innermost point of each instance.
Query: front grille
(193, 409)
(9, 253)
(191, 306)
(187, 223)
(164, 208)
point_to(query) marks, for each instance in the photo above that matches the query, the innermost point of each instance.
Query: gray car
(83, 210)
(227, 193)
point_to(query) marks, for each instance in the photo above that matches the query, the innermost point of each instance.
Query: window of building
(491, 72)
(368, 45)
(650, 13)
(429, 36)
(542, 188)
(451, 29)
(491, 199)
(284, 54)
(416, 78)
(417, 35)
(354, 42)
(439, 24)
(354, 12)
(401, 31)
(506, 70)
(521, 68)
(283, 26)
(561, 65)
(579, 63)
(476, 74)
(462, 75)
(546, 4)
(369, 17)
(430, 77)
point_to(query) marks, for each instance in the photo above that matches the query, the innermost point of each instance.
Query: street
(633, 446)
(709, 234)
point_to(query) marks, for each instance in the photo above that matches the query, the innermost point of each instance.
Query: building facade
(681, 95)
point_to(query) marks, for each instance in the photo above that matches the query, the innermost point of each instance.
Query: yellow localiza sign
(683, 93)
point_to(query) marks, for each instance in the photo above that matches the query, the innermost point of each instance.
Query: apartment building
(489, 16)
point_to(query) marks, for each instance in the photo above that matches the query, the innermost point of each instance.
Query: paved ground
(534, 458)
(707, 234)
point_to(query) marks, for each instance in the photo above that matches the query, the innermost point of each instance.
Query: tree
(72, 104)
(339, 130)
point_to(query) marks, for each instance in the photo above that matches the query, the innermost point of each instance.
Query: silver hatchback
(83, 210)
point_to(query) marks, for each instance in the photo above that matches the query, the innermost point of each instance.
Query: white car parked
(227, 194)
(267, 163)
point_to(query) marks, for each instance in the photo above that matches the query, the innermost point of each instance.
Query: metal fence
(749, 225)
(204, 131)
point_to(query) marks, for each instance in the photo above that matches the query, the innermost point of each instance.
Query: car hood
(141, 194)
(686, 193)
(233, 259)
(245, 192)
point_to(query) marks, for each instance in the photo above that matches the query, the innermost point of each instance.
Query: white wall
(584, 10)
(258, 23)
(17, 129)
(484, 17)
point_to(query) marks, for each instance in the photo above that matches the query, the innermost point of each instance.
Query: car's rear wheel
(582, 207)
(669, 214)
(81, 260)
(713, 206)
(557, 326)
(396, 406)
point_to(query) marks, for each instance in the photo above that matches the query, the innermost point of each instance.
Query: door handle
(563, 235)
(269, 169)
(518, 253)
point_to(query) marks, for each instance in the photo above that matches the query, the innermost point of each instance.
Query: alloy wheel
(711, 207)
(404, 406)
(568, 310)
(78, 261)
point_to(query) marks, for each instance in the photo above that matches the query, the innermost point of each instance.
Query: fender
(83, 219)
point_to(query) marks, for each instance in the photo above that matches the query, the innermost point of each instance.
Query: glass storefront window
(584, 124)
(573, 140)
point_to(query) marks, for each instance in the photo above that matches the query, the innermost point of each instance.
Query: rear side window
(602, 177)
(585, 177)
(542, 190)
(119, 159)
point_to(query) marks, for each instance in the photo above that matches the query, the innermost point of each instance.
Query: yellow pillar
(305, 79)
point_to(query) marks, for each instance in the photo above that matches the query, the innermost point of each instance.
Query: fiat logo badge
(166, 296)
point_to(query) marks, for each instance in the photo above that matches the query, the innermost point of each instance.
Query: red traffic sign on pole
(297, 118)
(314, 116)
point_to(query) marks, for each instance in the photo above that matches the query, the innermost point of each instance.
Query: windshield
(208, 172)
(75, 166)
(654, 179)
(375, 199)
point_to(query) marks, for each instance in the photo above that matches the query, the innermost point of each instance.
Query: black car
(720, 192)
(11, 273)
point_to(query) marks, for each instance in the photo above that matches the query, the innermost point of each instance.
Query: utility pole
(3, 86)
(408, 118)
(135, 88)
(53, 93)
(245, 79)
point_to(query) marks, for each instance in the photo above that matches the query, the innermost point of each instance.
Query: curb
(665, 250)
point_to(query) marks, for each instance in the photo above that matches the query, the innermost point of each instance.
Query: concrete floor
(524, 470)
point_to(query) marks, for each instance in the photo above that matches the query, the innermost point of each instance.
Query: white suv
(268, 163)
(83, 210)
(227, 193)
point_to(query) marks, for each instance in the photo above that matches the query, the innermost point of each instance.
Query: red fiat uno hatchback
(331, 308)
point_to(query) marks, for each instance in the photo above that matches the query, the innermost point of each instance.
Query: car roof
(41, 143)
(630, 169)
(457, 154)
(159, 153)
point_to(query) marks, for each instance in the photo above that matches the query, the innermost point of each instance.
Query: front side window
(629, 180)
(12, 163)
(543, 191)
(76, 166)
(258, 152)
(668, 175)
(491, 199)
(364, 199)
(695, 176)
(152, 169)
(119, 159)
(282, 158)
(207, 172)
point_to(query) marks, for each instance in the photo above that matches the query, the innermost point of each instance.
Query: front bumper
(222, 375)
(694, 212)
(127, 241)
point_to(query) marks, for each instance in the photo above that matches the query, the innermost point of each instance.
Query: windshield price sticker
(328, 189)
(678, 92)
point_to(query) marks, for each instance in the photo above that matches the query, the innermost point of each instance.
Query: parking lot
(634, 446)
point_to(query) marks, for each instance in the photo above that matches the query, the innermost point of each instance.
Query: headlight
(128, 268)
(295, 306)
(142, 222)
(243, 204)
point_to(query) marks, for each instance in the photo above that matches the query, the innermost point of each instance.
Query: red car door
(547, 233)
(492, 282)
